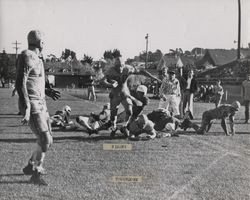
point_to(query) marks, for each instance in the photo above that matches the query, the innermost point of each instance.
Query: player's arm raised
(136, 101)
(105, 81)
(147, 74)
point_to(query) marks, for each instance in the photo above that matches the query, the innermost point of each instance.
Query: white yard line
(225, 152)
(198, 176)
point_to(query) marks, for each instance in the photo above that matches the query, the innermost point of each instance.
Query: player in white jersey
(30, 85)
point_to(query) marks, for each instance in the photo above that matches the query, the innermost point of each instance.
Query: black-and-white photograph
(124, 100)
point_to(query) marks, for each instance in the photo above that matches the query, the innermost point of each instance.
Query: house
(219, 57)
(235, 69)
(180, 62)
(198, 52)
(68, 74)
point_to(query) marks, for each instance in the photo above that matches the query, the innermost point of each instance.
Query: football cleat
(112, 134)
(28, 170)
(186, 124)
(124, 131)
(37, 180)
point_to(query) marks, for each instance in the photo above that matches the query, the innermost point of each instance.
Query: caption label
(124, 147)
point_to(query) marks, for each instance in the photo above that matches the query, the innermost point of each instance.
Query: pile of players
(132, 123)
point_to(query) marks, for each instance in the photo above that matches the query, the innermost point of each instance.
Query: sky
(93, 26)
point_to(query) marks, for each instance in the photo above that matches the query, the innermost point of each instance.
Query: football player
(116, 78)
(30, 86)
(208, 117)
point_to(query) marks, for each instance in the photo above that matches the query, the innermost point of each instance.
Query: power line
(16, 46)
(146, 60)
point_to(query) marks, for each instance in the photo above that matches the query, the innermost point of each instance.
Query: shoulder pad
(28, 57)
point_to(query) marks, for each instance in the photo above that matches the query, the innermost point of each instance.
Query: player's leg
(84, 121)
(114, 105)
(44, 135)
(185, 100)
(190, 104)
(128, 106)
(89, 92)
(174, 104)
(204, 124)
(209, 126)
(40, 123)
(93, 93)
(121, 117)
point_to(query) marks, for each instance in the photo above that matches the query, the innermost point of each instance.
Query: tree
(108, 55)
(87, 59)
(116, 53)
(66, 53)
(5, 68)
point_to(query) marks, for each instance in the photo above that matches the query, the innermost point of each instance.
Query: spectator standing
(245, 94)
(183, 85)
(189, 91)
(218, 93)
(91, 89)
(170, 92)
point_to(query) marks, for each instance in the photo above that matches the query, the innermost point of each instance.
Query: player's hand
(26, 119)
(54, 94)
(114, 84)
(13, 93)
(138, 103)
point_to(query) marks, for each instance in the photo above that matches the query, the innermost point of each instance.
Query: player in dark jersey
(208, 117)
(116, 78)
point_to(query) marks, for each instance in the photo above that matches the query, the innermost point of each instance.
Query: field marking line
(198, 176)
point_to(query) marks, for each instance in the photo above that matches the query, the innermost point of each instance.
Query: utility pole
(16, 47)
(146, 61)
(239, 29)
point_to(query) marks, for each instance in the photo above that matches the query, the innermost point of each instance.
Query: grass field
(212, 166)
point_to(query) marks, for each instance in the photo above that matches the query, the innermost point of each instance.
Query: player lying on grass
(155, 123)
(96, 122)
(164, 121)
(222, 112)
(142, 125)
(116, 78)
(61, 118)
